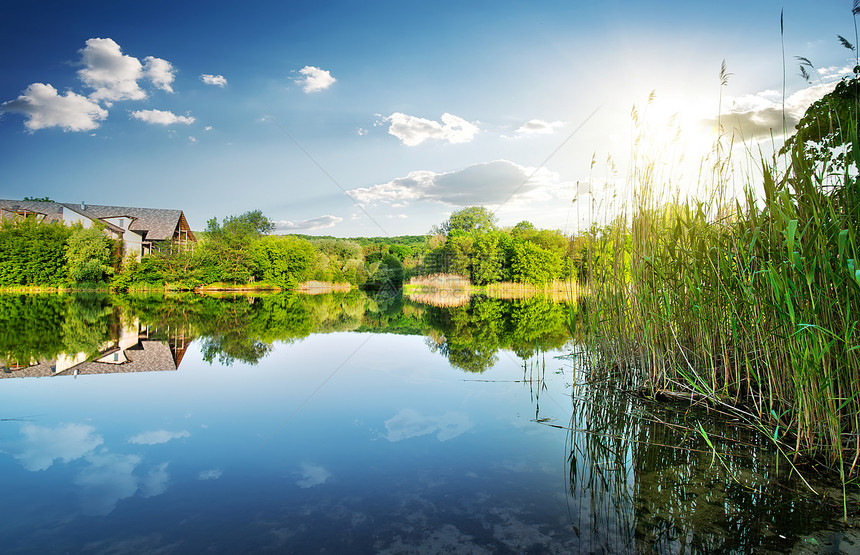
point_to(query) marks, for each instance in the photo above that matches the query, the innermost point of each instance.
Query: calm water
(346, 424)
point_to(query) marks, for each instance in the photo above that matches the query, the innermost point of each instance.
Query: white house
(140, 229)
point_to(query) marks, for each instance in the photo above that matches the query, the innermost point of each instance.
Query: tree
(283, 261)
(826, 133)
(229, 244)
(469, 219)
(88, 255)
(32, 252)
(533, 264)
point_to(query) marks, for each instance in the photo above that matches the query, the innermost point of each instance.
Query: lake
(348, 423)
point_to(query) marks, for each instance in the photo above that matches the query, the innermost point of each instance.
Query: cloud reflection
(212, 474)
(157, 436)
(410, 423)
(108, 479)
(41, 446)
(313, 475)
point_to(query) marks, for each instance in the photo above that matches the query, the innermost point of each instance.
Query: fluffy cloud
(40, 446)
(409, 423)
(160, 72)
(755, 116)
(157, 436)
(414, 131)
(314, 79)
(539, 126)
(322, 222)
(161, 117)
(216, 80)
(489, 183)
(43, 107)
(111, 73)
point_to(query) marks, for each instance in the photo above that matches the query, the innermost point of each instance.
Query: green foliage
(338, 260)
(388, 273)
(533, 264)
(32, 253)
(228, 247)
(283, 261)
(88, 255)
(825, 133)
(469, 219)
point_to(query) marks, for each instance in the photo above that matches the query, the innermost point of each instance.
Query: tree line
(242, 250)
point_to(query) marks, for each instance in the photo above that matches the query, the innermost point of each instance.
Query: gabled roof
(155, 224)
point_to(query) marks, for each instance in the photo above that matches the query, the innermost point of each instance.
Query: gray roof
(146, 356)
(154, 224)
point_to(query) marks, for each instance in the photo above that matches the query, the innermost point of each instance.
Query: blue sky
(381, 118)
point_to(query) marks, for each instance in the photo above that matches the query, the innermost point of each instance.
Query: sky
(353, 118)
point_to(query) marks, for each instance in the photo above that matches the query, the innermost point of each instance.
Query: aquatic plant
(750, 302)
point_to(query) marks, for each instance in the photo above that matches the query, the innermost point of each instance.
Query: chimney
(83, 205)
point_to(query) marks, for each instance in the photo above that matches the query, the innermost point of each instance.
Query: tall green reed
(749, 301)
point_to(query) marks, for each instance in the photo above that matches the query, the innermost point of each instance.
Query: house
(141, 229)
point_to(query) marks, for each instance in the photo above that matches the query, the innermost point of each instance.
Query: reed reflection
(645, 477)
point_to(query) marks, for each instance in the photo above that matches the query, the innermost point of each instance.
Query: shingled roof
(154, 224)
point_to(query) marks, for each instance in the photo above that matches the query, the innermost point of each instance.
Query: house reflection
(137, 349)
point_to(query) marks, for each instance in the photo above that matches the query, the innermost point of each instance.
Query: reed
(750, 302)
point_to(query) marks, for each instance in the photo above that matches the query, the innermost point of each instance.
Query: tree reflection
(471, 335)
(244, 328)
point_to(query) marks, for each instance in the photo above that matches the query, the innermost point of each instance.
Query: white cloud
(539, 126)
(161, 117)
(314, 79)
(758, 115)
(216, 80)
(212, 474)
(322, 222)
(114, 76)
(313, 475)
(40, 446)
(414, 130)
(207, 128)
(160, 72)
(489, 183)
(157, 436)
(192, 140)
(409, 423)
(43, 107)
(111, 73)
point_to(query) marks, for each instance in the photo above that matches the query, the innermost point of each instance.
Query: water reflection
(320, 439)
(46, 335)
(649, 482)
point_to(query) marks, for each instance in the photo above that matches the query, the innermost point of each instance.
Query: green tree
(32, 252)
(229, 245)
(88, 255)
(469, 219)
(533, 264)
(283, 261)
